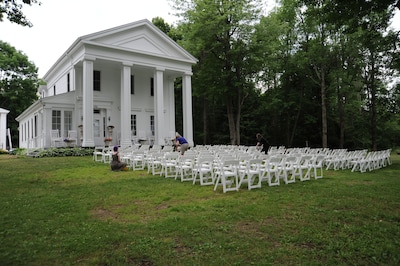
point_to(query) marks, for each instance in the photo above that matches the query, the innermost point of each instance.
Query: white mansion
(115, 84)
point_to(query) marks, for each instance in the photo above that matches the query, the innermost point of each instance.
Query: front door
(99, 130)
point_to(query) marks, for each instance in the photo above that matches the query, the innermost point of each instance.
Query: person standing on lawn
(262, 143)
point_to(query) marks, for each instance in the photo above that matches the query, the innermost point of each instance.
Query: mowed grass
(73, 211)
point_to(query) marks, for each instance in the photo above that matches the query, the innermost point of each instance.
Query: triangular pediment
(140, 37)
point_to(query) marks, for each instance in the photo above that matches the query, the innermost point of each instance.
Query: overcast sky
(58, 23)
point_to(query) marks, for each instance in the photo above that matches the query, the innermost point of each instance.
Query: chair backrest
(188, 159)
(318, 161)
(205, 162)
(72, 134)
(55, 134)
(305, 160)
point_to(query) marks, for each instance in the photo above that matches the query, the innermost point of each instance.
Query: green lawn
(73, 211)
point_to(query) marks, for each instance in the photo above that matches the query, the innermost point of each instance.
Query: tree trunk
(296, 121)
(231, 120)
(373, 113)
(323, 110)
(238, 114)
(205, 121)
(341, 113)
(342, 123)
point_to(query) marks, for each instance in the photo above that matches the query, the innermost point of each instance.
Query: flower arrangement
(107, 139)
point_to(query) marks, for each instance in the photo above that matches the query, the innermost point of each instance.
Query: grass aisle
(73, 211)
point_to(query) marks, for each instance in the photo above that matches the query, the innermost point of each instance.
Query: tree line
(310, 73)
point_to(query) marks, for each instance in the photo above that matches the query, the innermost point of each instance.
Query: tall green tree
(13, 11)
(303, 47)
(346, 86)
(368, 21)
(18, 84)
(218, 34)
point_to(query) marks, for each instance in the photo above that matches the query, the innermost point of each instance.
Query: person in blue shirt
(182, 143)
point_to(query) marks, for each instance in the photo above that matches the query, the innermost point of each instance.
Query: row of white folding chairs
(340, 159)
(231, 172)
(102, 154)
(137, 158)
(371, 161)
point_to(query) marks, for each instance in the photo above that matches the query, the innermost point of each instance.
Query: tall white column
(187, 107)
(170, 126)
(3, 128)
(159, 106)
(87, 102)
(126, 105)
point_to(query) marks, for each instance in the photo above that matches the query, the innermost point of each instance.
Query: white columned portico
(159, 106)
(187, 108)
(87, 102)
(126, 105)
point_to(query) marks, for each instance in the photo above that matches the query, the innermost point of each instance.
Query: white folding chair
(302, 168)
(98, 154)
(184, 167)
(56, 140)
(227, 174)
(137, 160)
(168, 164)
(107, 155)
(204, 169)
(272, 171)
(251, 174)
(72, 137)
(317, 164)
(288, 169)
(153, 162)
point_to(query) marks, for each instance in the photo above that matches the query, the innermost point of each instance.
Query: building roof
(2, 111)
(140, 37)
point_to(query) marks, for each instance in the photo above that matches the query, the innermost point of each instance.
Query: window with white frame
(68, 83)
(132, 84)
(96, 80)
(133, 125)
(61, 120)
(152, 124)
(151, 86)
(56, 120)
(67, 122)
(35, 129)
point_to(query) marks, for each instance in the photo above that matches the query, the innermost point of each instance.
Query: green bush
(59, 152)
(52, 152)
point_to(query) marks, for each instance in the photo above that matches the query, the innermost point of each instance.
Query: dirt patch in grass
(105, 215)
(8, 156)
(359, 182)
(138, 211)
